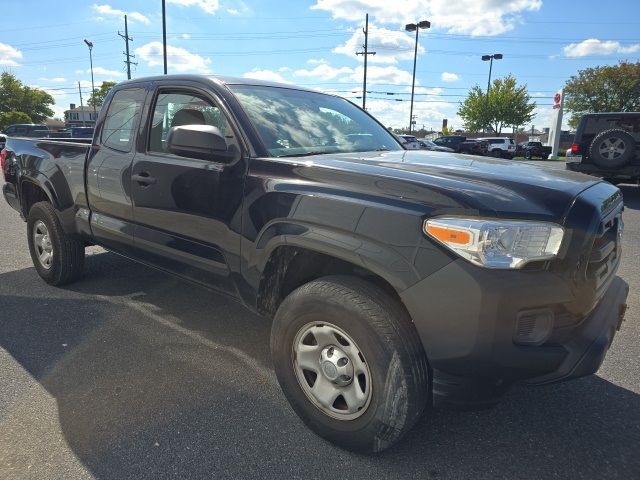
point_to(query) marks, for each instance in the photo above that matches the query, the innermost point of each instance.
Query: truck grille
(604, 256)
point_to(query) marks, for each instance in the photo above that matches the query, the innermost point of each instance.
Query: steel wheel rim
(42, 244)
(322, 373)
(611, 148)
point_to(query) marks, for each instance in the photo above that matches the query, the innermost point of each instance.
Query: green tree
(448, 130)
(508, 104)
(609, 88)
(9, 118)
(17, 97)
(98, 96)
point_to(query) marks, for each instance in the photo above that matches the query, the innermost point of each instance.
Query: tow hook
(622, 309)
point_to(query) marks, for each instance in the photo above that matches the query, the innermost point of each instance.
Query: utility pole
(366, 53)
(127, 39)
(164, 36)
(81, 106)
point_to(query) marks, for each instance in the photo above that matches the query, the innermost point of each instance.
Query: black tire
(623, 143)
(382, 330)
(67, 258)
(528, 155)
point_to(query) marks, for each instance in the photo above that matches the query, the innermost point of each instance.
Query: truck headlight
(497, 243)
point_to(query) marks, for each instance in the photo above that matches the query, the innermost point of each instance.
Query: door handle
(144, 179)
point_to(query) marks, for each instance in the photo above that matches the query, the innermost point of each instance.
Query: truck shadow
(631, 195)
(156, 378)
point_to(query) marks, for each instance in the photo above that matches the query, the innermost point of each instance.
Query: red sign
(556, 100)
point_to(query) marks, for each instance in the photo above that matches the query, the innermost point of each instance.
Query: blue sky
(312, 43)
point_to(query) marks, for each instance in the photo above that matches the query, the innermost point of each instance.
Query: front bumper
(468, 320)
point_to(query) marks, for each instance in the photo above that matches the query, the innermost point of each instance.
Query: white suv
(500, 147)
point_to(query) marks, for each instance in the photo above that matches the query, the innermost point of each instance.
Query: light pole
(93, 88)
(497, 56)
(410, 28)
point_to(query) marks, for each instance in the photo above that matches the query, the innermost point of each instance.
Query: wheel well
(290, 267)
(32, 194)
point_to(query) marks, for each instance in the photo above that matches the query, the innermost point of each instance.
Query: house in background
(80, 116)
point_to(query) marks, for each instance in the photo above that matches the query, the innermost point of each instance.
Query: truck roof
(217, 79)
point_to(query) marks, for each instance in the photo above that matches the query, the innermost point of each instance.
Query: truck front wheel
(58, 258)
(350, 362)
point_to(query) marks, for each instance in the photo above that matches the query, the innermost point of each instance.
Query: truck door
(187, 210)
(109, 171)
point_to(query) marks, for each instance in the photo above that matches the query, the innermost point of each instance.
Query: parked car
(3, 140)
(394, 279)
(474, 146)
(450, 141)
(500, 147)
(429, 145)
(530, 150)
(409, 142)
(27, 130)
(607, 145)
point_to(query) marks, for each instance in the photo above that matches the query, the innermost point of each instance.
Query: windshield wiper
(306, 154)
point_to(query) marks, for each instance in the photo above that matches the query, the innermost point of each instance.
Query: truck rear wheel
(350, 362)
(58, 258)
(612, 148)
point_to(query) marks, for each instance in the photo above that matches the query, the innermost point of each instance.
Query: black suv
(27, 130)
(607, 145)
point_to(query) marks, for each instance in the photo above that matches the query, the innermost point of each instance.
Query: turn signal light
(449, 235)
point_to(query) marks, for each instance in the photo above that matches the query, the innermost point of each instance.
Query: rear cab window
(122, 118)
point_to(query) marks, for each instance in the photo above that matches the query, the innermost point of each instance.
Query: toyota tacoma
(395, 279)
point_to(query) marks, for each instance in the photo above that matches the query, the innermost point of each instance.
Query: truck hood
(454, 182)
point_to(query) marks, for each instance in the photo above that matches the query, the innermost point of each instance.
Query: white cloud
(178, 59)
(185, 36)
(323, 71)
(593, 46)
(449, 77)
(138, 17)
(389, 45)
(233, 11)
(8, 55)
(267, 75)
(208, 6)
(474, 17)
(316, 61)
(53, 80)
(108, 10)
(383, 75)
(105, 71)
(102, 71)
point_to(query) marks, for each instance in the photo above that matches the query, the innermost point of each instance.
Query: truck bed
(58, 165)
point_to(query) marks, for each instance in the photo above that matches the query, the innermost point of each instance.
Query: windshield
(299, 123)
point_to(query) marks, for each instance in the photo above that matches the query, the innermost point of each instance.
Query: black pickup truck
(395, 279)
(534, 149)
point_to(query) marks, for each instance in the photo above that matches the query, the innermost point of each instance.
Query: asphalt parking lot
(132, 374)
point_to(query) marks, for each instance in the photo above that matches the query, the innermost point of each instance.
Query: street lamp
(411, 27)
(93, 88)
(485, 58)
(489, 58)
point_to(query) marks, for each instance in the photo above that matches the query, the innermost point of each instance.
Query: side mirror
(204, 142)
